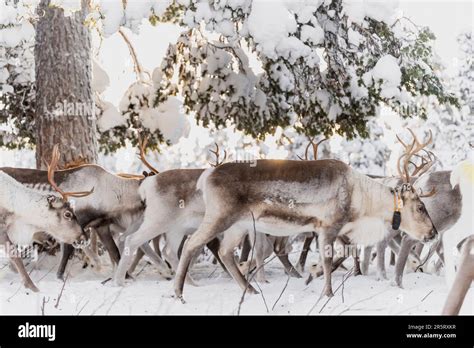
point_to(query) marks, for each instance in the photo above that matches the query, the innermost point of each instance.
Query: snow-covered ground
(84, 293)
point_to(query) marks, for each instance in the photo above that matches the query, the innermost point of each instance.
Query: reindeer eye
(421, 208)
(68, 215)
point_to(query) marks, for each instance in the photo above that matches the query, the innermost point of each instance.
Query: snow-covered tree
(16, 74)
(326, 65)
(318, 66)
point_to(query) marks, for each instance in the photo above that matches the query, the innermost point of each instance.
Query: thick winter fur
(463, 280)
(290, 197)
(444, 208)
(461, 178)
(173, 207)
(115, 199)
(24, 212)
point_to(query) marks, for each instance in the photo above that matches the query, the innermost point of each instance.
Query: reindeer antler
(315, 147)
(142, 148)
(52, 166)
(216, 153)
(412, 150)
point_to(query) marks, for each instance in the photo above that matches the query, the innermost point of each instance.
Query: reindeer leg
(304, 253)
(232, 238)
(163, 268)
(139, 255)
(68, 250)
(407, 244)
(279, 248)
(392, 258)
(145, 233)
(174, 245)
(246, 247)
(326, 251)
(366, 260)
(210, 227)
(17, 262)
(156, 245)
(357, 270)
(462, 281)
(259, 242)
(106, 239)
(214, 246)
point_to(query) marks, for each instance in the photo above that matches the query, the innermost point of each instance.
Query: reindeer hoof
(294, 273)
(309, 280)
(32, 287)
(328, 293)
(181, 299)
(251, 290)
(398, 282)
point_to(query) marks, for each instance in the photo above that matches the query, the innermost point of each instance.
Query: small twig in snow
(114, 300)
(263, 296)
(85, 304)
(62, 289)
(43, 304)
(282, 291)
(349, 273)
(428, 294)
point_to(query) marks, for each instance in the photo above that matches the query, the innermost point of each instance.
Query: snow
(100, 79)
(169, 118)
(269, 31)
(314, 34)
(217, 293)
(113, 14)
(383, 11)
(387, 70)
(462, 175)
(110, 117)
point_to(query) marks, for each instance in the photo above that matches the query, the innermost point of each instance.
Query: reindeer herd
(171, 216)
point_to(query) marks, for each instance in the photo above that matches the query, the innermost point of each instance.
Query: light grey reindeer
(463, 280)
(115, 202)
(285, 198)
(174, 208)
(25, 212)
(432, 203)
(444, 208)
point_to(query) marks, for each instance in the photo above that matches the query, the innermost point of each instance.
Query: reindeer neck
(375, 199)
(20, 199)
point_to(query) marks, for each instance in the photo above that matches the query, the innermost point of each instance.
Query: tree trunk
(64, 99)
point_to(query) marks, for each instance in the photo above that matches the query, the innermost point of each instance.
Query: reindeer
(265, 246)
(443, 204)
(463, 280)
(282, 198)
(174, 208)
(115, 202)
(25, 212)
(410, 151)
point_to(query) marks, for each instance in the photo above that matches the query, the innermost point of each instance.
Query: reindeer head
(415, 219)
(64, 226)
